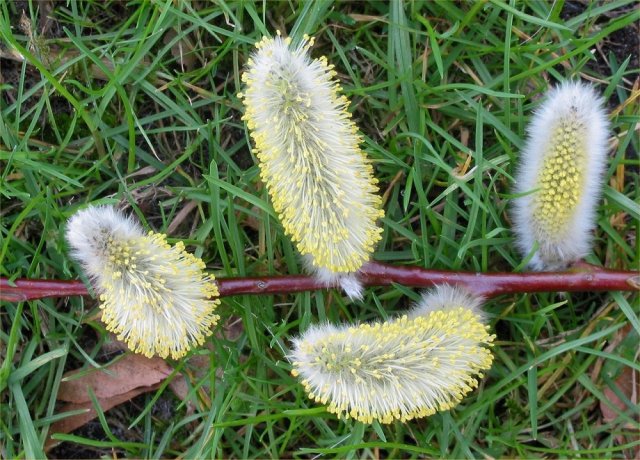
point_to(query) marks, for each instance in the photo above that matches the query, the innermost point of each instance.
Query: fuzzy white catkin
(409, 367)
(155, 297)
(560, 174)
(320, 182)
(446, 297)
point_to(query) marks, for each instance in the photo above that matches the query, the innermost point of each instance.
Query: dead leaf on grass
(128, 377)
(126, 374)
(628, 385)
(182, 50)
(69, 424)
(121, 381)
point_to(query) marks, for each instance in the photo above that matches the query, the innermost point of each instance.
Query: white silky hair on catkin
(560, 176)
(446, 297)
(348, 282)
(87, 232)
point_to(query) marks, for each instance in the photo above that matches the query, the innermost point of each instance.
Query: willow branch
(582, 277)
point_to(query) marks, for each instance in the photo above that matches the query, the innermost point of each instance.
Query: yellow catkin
(155, 297)
(320, 182)
(406, 368)
(561, 178)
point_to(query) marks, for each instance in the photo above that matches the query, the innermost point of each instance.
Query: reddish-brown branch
(30, 289)
(582, 277)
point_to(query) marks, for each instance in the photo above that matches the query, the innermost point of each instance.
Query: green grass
(105, 110)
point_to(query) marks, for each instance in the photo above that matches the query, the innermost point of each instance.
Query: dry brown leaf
(181, 216)
(178, 383)
(130, 376)
(74, 422)
(121, 381)
(182, 50)
(45, 18)
(612, 345)
(367, 18)
(628, 383)
(180, 389)
(126, 374)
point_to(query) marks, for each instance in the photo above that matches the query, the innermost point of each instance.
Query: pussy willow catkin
(409, 367)
(561, 171)
(155, 297)
(319, 180)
